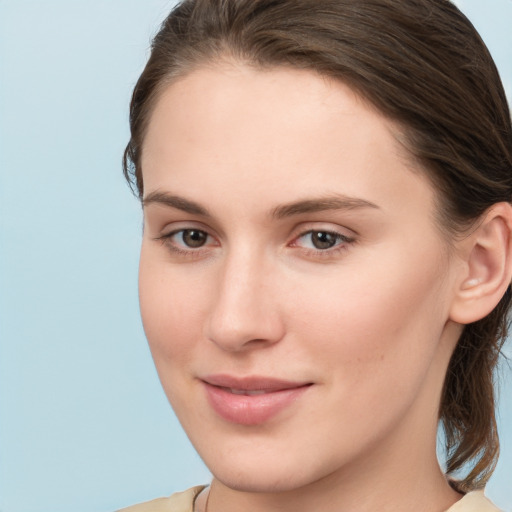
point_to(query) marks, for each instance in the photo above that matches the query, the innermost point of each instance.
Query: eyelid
(327, 227)
(182, 230)
(171, 228)
(336, 234)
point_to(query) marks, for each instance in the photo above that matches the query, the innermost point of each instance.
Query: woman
(326, 262)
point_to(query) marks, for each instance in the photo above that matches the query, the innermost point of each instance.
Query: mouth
(251, 400)
(246, 392)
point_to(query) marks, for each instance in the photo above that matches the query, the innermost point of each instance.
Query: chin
(270, 476)
(261, 481)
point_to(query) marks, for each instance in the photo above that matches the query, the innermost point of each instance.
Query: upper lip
(252, 382)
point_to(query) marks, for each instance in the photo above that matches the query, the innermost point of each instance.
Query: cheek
(375, 342)
(384, 323)
(171, 307)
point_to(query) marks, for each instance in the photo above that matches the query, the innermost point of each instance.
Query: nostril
(244, 332)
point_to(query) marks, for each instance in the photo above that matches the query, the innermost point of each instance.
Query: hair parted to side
(422, 64)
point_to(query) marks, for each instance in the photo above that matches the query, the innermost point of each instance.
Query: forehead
(239, 93)
(273, 134)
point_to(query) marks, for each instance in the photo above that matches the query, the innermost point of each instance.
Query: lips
(251, 400)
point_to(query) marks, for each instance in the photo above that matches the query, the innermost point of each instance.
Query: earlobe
(488, 266)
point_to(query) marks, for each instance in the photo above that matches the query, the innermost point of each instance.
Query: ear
(487, 268)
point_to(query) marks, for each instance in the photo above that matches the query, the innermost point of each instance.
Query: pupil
(194, 237)
(323, 240)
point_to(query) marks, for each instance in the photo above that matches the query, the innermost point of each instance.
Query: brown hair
(421, 63)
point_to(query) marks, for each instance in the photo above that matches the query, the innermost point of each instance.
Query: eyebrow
(338, 202)
(180, 203)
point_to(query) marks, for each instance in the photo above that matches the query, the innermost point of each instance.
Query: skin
(367, 322)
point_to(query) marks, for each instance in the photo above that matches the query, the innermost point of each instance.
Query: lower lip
(251, 409)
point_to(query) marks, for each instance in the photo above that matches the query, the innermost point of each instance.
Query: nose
(245, 313)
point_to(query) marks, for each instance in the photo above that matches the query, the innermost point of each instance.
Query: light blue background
(84, 425)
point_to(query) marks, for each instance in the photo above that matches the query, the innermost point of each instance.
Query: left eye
(321, 240)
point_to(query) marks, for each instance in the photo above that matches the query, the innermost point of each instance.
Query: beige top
(184, 502)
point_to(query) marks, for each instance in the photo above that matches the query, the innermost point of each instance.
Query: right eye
(187, 240)
(192, 238)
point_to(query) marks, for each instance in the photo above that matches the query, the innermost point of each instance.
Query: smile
(251, 400)
(246, 392)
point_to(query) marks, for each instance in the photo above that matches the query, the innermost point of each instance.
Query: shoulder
(178, 502)
(474, 501)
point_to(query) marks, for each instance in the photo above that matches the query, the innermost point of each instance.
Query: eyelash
(341, 243)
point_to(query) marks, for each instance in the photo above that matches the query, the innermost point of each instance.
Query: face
(294, 287)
